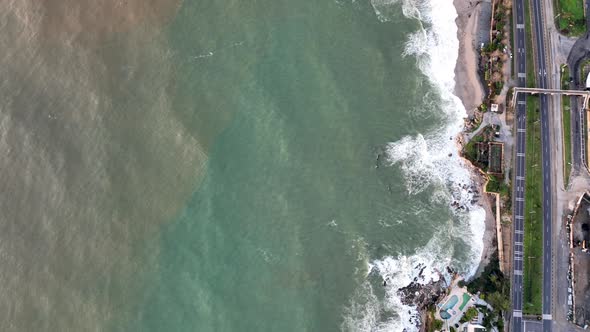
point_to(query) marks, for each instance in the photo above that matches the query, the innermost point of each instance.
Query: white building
(474, 328)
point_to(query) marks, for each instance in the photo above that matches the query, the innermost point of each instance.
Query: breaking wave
(427, 161)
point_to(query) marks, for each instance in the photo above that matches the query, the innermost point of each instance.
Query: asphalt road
(519, 170)
(546, 167)
(520, 167)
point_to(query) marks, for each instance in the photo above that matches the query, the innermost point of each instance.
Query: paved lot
(532, 326)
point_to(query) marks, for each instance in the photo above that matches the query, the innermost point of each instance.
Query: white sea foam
(431, 159)
(426, 265)
(427, 160)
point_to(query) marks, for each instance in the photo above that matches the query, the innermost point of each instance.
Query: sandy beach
(467, 83)
(468, 88)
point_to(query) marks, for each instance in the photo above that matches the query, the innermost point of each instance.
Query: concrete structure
(475, 325)
(534, 91)
(474, 328)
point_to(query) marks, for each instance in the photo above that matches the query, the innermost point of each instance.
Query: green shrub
(469, 315)
(496, 185)
(438, 324)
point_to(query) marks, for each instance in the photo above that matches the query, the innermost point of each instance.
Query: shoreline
(469, 89)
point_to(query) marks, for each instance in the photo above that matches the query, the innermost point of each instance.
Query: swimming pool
(444, 315)
(466, 299)
(452, 301)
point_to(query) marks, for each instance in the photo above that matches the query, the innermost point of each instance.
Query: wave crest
(426, 160)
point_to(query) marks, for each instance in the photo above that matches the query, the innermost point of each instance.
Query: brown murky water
(93, 158)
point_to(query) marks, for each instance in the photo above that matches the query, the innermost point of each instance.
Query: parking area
(533, 326)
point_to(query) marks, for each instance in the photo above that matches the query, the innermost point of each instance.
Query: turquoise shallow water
(212, 166)
(292, 204)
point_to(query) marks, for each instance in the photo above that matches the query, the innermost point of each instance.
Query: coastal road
(519, 169)
(540, 59)
(520, 166)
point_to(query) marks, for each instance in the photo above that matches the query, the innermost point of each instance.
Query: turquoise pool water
(448, 305)
(466, 299)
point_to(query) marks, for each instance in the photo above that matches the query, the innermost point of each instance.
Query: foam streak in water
(427, 160)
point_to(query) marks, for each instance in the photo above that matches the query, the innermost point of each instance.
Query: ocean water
(228, 165)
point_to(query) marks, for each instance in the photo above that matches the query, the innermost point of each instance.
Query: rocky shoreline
(470, 91)
(472, 29)
(424, 296)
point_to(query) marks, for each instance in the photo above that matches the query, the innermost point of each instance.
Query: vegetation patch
(565, 77)
(494, 288)
(495, 160)
(584, 70)
(570, 18)
(494, 54)
(566, 124)
(438, 325)
(567, 136)
(530, 73)
(487, 155)
(533, 228)
(476, 150)
(470, 314)
(496, 185)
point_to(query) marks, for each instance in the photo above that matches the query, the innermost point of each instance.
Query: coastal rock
(423, 295)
